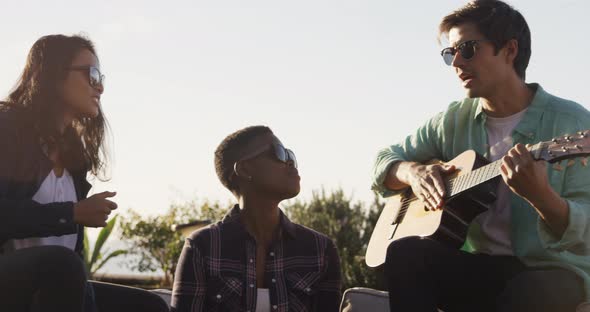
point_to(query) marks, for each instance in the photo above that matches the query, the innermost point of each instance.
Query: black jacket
(23, 167)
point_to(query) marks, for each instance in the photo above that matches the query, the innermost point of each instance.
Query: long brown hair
(39, 103)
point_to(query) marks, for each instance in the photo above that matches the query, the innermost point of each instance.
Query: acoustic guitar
(470, 190)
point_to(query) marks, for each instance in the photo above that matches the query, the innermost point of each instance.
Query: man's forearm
(397, 175)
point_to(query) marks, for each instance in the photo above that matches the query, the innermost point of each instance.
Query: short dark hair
(231, 150)
(499, 23)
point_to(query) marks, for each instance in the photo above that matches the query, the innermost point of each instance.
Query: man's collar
(527, 126)
(530, 121)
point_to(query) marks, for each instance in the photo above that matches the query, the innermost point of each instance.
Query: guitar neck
(559, 148)
(474, 178)
(482, 174)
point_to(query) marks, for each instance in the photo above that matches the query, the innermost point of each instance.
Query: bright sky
(335, 80)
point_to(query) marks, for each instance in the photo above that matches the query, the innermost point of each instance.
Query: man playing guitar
(531, 250)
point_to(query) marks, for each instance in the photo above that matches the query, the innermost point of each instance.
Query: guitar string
(535, 150)
(467, 176)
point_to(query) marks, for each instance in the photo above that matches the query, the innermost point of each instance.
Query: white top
(495, 223)
(263, 300)
(53, 189)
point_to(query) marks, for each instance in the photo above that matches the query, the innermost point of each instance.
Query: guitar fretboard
(473, 178)
(483, 174)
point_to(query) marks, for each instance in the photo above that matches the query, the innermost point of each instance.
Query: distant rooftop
(187, 228)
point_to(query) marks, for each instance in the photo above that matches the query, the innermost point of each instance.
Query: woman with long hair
(52, 133)
(256, 259)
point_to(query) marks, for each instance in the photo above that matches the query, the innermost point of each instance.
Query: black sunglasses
(466, 49)
(95, 78)
(284, 154)
(279, 152)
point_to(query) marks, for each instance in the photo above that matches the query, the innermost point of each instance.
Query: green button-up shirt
(462, 127)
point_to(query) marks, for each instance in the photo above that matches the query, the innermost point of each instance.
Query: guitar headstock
(563, 147)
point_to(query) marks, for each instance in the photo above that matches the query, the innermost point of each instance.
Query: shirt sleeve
(423, 145)
(576, 237)
(190, 284)
(26, 218)
(329, 288)
(572, 182)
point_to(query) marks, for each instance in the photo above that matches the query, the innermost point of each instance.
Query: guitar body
(470, 191)
(404, 215)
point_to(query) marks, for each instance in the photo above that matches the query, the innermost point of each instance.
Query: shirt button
(274, 280)
(272, 254)
(251, 260)
(274, 307)
(218, 296)
(62, 221)
(251, 285)
(307, 289)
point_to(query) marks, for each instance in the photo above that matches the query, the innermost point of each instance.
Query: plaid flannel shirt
(217, 269)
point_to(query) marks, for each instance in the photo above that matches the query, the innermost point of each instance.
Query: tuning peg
(554, 140)
(579, 147)
(583, 134)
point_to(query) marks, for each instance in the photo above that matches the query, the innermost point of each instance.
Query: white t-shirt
(53, 189)
(263, 300)
(495, 223)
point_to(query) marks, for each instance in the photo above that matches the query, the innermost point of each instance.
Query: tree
(155, 241)
(92, 260)
(350, 226)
